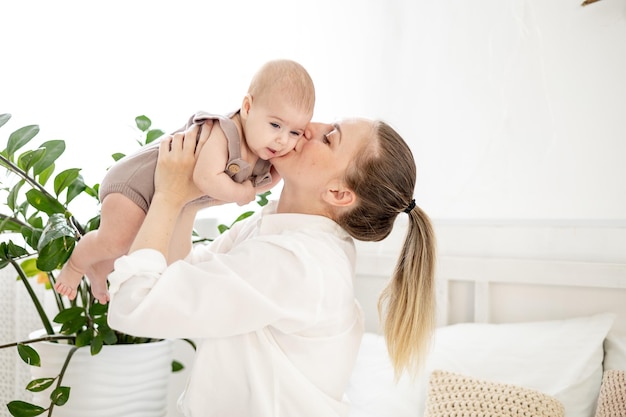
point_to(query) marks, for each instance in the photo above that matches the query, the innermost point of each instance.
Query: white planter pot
(122, 380)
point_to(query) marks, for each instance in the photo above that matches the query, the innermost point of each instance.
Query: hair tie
(410, 207)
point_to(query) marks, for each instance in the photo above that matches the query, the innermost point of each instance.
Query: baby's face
(274, 127)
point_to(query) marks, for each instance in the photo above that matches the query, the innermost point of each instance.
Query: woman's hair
(383, 179)
(284, 79)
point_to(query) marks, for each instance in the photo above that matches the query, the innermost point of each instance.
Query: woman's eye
(325, 140)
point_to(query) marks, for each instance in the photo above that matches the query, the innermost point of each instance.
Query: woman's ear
(339, 196)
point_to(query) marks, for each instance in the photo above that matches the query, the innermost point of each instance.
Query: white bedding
(562, 358)
(556, 291)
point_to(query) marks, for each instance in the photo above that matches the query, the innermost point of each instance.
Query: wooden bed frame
(511, 271)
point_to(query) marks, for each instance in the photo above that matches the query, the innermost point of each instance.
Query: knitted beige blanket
(454, 395)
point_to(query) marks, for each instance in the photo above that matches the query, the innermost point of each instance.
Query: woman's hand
(174, 171)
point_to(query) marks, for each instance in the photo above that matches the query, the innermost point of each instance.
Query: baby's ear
(245, 105)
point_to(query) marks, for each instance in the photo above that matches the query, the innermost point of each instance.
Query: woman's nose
(317, 130)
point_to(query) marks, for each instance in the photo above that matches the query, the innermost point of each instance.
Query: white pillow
(562, 358)
(615, 352)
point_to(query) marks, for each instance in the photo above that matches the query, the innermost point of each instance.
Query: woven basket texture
(612, 398)
(454, 395)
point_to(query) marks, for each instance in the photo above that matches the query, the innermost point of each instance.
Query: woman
(271, 301)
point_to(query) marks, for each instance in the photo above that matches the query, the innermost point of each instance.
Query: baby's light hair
(288, 79)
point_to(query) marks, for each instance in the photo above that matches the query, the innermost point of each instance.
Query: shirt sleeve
(257, 283)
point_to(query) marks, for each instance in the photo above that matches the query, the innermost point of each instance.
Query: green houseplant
(43, 233)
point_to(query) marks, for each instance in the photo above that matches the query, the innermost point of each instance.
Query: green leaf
(93, 223)
(243, 216)
(19, 138)
(177, 366)
(54, 149)
(29, 266)
(65, 179)
(153, 135)
(44, 203)
(75, 189)
(60, 395)
(9, 225)
(56, 228)
(68, 314)
(117, 156)
(31, 236)
(93, 191)
(45, 175)
(97, 309)
(143, 123)
(84, 338)
(36, 221)
(24, 409)
(29, 158)
(14, 194)
(15, 251)
(262, 201)
(100, 322)
(55, 254)
(108, 336)
(96, 344)
(73, 326)
(40, 384)
(4, 118)
(28, 355)
(55, 244)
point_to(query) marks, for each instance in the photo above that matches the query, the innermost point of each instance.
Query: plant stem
(16, 170)
(49, 338)
(42, 314)
(62, 373)
(11, 219)
(57, 296)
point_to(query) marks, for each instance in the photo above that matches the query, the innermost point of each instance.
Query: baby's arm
(275, 180)
(209, 173)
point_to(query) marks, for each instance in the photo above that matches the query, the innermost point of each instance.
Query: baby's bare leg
(120, 220)
(97, 275)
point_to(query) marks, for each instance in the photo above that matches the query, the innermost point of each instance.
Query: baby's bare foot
(66, 290)
(100, 293)
(68, 280)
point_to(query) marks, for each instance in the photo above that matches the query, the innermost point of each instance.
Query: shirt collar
(272, 222)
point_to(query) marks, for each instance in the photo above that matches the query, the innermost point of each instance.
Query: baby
(233, 166)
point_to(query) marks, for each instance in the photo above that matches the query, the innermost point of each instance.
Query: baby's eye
(296, 134)
(275, 125)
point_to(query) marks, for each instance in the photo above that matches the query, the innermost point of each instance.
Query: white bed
(538, 306)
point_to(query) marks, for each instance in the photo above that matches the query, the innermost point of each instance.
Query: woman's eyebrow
(338, 129)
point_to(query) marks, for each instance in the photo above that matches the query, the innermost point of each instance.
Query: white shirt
(272, 306)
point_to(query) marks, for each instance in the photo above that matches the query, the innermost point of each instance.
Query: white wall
(514, 109)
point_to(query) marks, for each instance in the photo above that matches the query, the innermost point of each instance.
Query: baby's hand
(275, 180)
(248, 195)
